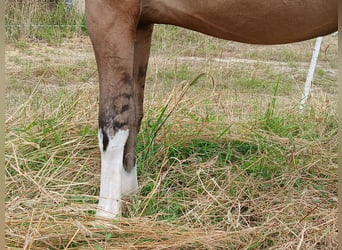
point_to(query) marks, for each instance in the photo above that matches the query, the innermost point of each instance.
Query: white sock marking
(111, 173)
(129, 182)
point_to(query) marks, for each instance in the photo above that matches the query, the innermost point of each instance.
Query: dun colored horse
(121, 30)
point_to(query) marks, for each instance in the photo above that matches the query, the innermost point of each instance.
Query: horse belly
(249, 21)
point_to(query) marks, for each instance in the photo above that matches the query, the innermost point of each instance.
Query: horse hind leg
(129, 184)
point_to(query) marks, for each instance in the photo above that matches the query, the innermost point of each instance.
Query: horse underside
(247, 21)
(121, 32)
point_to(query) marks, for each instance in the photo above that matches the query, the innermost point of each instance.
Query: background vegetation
(42, 20)
(226, 161)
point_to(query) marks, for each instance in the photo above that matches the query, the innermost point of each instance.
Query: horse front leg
(112, 29)
(142, 46)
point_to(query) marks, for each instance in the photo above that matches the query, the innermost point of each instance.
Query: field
(226, 160)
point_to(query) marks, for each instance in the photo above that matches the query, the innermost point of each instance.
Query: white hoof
(112, 211)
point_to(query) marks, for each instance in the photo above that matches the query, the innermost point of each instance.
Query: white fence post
(311, 72)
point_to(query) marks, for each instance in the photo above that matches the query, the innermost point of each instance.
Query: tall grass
(42, 20)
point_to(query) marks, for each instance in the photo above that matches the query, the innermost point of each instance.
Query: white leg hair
(111, 174)
(129, 181)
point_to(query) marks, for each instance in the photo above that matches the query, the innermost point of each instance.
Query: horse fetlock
(129, 181)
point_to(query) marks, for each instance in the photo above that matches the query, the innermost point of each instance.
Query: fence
(41, 20)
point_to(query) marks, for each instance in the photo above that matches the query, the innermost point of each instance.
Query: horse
(120, 32)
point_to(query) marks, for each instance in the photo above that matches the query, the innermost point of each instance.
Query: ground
(225, 160)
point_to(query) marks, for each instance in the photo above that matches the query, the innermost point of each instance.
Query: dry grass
(226, 170)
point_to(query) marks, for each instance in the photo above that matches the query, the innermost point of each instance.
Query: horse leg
(129, 183)
(112, 29)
